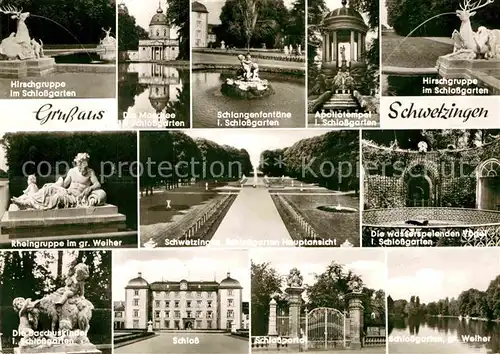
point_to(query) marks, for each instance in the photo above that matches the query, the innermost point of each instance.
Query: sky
(437, 273)
(176, 264)
(369, 264)
(383, 13)
(255, 141)
(144, 10)
(214, 8)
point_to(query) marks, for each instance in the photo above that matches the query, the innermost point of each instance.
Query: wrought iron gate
(325, 329)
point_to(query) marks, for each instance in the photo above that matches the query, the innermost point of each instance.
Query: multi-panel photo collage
(249, 176)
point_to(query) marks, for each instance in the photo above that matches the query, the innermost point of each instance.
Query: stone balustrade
(307, 229)
(209, 216)
(374, 341)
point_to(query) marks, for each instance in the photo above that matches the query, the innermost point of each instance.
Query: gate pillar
(272, 331)
(355, 318)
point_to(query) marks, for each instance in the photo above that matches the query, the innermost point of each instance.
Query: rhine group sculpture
(79, 188)
(69, 315)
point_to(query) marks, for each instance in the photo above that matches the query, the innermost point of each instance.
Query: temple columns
(360, 46)
(328, 48)
(335, 45)
(352, 46)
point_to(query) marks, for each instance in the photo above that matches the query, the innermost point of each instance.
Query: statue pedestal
(20, 69)
(13, 69)
(88, 348)
(40, 67)
(72, 221)
(294, 303)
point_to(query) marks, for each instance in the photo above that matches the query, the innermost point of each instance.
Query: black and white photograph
(443, 301)
(424, 188)
(440, 48)
(57, 49)
(55, 302)
(246, 189)
(68, 190)
(318, 301)
(153, 70)
(248, 62)
(181, 301)
(343, 63)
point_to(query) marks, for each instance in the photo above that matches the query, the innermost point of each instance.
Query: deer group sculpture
(474, 45)
(19, 44)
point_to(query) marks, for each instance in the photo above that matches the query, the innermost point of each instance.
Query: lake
(442, 335)
(153, 95)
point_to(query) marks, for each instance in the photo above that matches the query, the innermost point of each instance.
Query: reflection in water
(153, 93)
(289, 97)
(452, 331)
(393, 85)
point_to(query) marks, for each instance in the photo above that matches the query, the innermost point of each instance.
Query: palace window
(136, 292)
(136, 324)
(157, 314)
(177, 314)
(209, 294)
(199, 314)
(118, 315)
(167, 314)
(209, 325)
(209, 304)
(157, 303)
(136, 313)
(188, 314)
(188, 303)
(136, 302)
(210, 314)
(230, 302)
(230, 292)
(230, 314)
(176, 304)
(166, 323)
(167, 303)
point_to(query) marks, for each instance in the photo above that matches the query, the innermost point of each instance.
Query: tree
(130, 33)
(493, 298)
(178, 15)
(266, 282)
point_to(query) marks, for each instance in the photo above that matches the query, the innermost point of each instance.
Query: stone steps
(341, 102)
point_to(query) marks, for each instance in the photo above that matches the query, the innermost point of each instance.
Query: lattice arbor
(326, 329)
(488, 186)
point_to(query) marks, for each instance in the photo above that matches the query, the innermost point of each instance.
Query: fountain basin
(446, 226)
(163, 207)
(246, 89)
(337, 209)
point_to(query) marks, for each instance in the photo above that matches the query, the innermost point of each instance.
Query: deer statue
(18, 44)
(467, 43)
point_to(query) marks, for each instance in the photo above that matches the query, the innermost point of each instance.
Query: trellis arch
(486, 174)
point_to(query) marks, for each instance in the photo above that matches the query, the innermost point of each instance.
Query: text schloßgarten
(398, 110)
(48, 112)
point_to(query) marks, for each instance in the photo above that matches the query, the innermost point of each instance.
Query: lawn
(153, 207)
(339, 226)
(412, 52)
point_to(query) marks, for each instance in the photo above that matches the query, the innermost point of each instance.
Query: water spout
(416, 28)
(64, 28)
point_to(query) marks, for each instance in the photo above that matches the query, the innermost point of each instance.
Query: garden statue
(299, 50)
(80, 188)
(355, 285)
(247, 83)
(342, 53)
(68, 310)
(295, 279)
(422, 146)
(108, 40)
(18, 45)
(474, 45)
(285, 50)
(290, 49)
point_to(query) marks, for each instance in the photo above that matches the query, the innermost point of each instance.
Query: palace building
(199, 25)
(184, 304)
(159, 46)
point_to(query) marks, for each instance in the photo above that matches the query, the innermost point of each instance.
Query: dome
(198, 7)
(345, 18)
(138, 282)
(159, 18)
(229, 283)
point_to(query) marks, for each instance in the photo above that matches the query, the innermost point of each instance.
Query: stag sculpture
(18, 44)
(469, 44)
